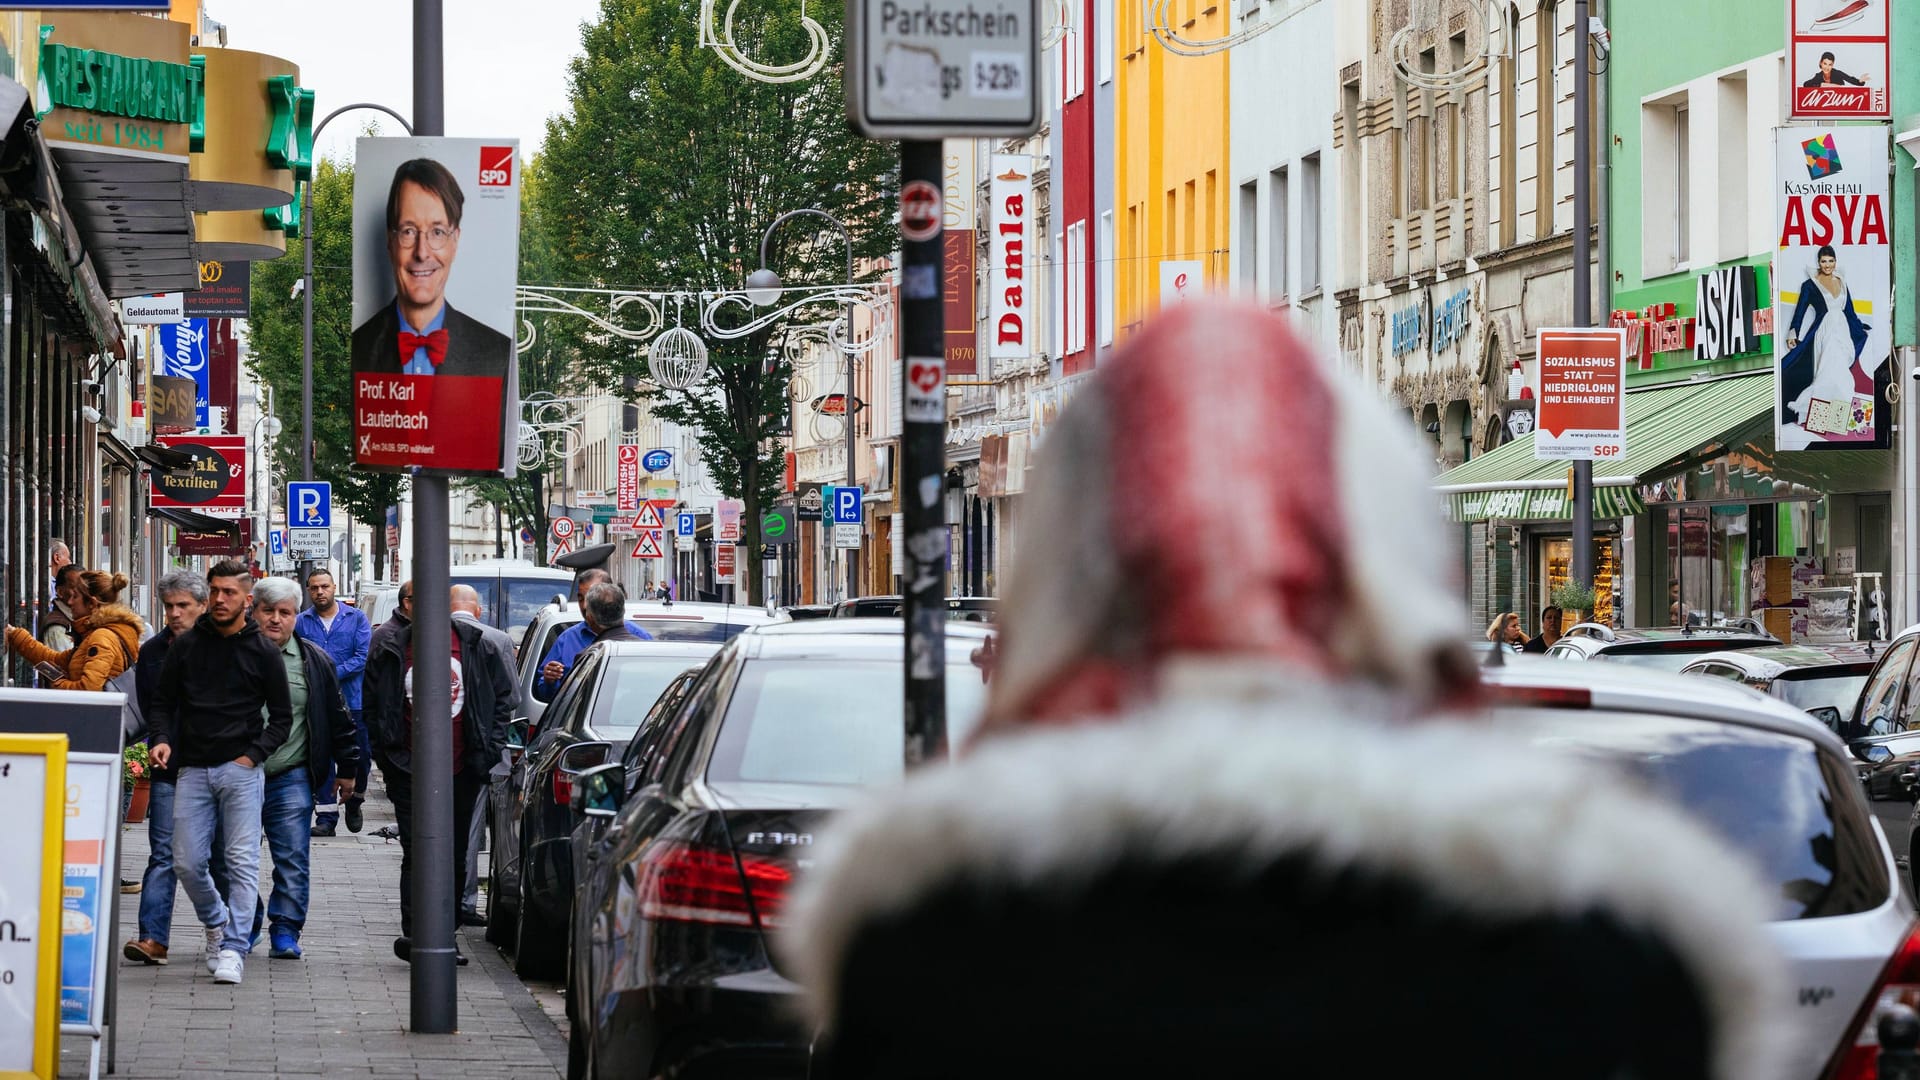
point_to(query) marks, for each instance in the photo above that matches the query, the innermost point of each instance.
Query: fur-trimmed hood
(115, 617)
(1498, 835)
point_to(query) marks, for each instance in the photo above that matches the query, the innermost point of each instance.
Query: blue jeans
(362, 772)
(289, 838)
(227, 798)
(156, 887)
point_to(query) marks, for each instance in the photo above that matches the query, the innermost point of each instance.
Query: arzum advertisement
(1840, 54)
(1832, 281)
(436, 247)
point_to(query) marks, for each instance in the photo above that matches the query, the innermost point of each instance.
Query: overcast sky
(506, 60)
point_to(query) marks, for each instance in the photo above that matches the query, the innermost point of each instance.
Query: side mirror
(517, 733)
(599, 791)
(582, 756)
(1878, 754)
(1827, 715)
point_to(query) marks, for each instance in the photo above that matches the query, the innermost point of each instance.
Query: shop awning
(1667, 426)
(194, 522)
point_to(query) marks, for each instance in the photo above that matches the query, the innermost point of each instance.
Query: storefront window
(1556, 568)
(1729, 542)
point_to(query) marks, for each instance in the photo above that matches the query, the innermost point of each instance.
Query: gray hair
(181, 580)
(274, 591)
(59, 547)
(606, 605)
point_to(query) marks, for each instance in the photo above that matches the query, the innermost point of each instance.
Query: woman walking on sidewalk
(109, 636)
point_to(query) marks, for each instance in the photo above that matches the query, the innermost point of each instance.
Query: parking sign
(846, 505)
(310, 504)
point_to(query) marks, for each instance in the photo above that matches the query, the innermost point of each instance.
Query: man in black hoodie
(207, 721)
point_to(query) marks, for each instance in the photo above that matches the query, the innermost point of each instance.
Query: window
(1420, 107)
(1103, 256)
(1310, 224)
(1278, 209)
(1546, 123)
(1247, 243)
(1103, 41)
(1456, 174)
(1883, 688)
(1732, 154)
(1058, 280)
(1509, 142)
(1073, 65)
(1682, 188)
(1076, 298)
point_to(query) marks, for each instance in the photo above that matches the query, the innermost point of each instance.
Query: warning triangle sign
(648, 518)
(648, 545)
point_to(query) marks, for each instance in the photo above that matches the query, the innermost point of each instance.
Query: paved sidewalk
(340, 1012)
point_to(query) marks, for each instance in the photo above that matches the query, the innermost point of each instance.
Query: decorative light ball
(677, 358)
(529, 450)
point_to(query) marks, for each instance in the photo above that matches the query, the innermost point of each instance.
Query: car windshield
(829, 721)
(1772, 796)
(1813, 692)
(629, 685)
(687, 628)
(525, 598)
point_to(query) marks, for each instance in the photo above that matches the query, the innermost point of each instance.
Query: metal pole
(432, 978)
(923, 468)
(306, 351)
(853, 556)
(1582, 277)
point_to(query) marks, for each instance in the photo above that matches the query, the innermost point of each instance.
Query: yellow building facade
(1171, 179)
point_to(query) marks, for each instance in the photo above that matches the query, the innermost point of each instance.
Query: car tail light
(562, 787)
(687, 883)
(1899, 984)
(1543, 697)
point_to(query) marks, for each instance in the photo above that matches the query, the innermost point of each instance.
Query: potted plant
(135, 776)
(1575, 599)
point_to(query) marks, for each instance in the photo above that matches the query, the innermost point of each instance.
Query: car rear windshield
(1775, 798)
(828, 721)
(687, 628)
(628, 688)
(1663, 655)
(525, 598)
(1810, 691)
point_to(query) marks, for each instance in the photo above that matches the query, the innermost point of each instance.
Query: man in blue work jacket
(345, 633)
(568, 646)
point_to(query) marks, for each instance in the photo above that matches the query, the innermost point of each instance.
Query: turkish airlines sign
(1840, 57)
(1009, 304)
(1582, 413)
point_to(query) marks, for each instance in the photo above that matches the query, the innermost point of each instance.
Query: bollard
(1899, 1029)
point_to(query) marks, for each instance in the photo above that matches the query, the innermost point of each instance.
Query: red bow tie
(435, 344)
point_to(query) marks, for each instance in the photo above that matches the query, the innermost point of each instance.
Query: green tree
(275, 330)
(666, 171)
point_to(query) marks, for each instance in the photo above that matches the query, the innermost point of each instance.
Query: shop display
(1556, 558)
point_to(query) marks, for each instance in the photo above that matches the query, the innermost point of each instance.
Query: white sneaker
(230, 969)
(215, 935)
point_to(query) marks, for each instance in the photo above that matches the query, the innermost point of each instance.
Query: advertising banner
(959, 157)
(435, 251)
(171, 404)
(1582, 414)
(1009, 307)
(1840, 58)
(214, 485)
(32, 768)
(1832, 286)
(223, 373)
(627, 481)
(181, 352)
(86, 916)
(225, 291)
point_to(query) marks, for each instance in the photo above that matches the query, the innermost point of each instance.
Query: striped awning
(1667, 426)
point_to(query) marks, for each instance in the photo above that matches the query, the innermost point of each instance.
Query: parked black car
(598, 708)
(707, 822)
(959, 608)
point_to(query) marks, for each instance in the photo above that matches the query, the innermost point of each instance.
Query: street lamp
(306, 292)
(272, 426)
(763, 289)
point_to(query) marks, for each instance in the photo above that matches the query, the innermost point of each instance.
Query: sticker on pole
(926, 390)
(1582, 404)
(919, 210)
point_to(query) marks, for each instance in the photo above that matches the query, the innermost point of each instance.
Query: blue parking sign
(846, 505)
(310, 504)
(683, 524)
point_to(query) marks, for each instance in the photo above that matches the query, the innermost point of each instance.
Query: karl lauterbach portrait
(418, 332)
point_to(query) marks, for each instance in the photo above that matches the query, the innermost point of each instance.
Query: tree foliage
(275, 330)
(666, 172)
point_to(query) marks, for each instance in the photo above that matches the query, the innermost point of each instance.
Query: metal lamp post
(272, 424)
(763, 288)
(306, 292)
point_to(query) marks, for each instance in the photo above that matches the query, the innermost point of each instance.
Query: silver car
(1779, 787)
(666, 621)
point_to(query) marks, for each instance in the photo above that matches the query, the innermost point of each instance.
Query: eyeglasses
(436, 237)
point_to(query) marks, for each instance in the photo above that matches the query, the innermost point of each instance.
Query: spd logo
(496, 166)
